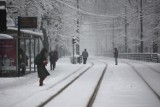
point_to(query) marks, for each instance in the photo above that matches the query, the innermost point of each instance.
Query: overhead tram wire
(92, 14)
(97, 15)
(101, 22)
(88, 13)
(118, 28)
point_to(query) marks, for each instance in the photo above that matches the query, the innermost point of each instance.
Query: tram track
(145, 81)
(64, 87)
(151, 68)
(93, 97)
(63, 79)
(93, 94)
(55, 84)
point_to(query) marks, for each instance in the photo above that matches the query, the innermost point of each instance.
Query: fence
(149, 57)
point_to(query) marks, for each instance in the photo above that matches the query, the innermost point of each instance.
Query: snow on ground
(121, 87)
(17, 90)
(81, 90)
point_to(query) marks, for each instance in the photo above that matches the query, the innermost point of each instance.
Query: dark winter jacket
(53, 56)
(23, 58)
(85, 54)
(116, 54)
(42, 71)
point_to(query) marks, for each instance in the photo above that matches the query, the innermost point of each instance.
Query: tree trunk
(45, 40)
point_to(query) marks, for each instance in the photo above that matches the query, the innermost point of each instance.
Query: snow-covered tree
(150, 12)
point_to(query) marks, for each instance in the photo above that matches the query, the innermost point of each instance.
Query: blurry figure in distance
(53, 57)
(23, 61)
(116, 56)
(85, 56)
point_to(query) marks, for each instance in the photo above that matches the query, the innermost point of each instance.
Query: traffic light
(3, 20)
(73, 40)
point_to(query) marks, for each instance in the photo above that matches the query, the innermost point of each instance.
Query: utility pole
(141, 25)
(18, 45)
(26, 7)
(3, 17)
(113, 44)
(73, 54)
(106, 43)
(126, 34)
(78, 25)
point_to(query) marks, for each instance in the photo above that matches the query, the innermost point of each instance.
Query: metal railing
(148, 57)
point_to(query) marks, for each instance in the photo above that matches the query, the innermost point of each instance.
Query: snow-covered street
(119, 39)
(128, 84)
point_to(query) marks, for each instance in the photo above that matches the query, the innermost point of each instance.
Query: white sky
(121, 87)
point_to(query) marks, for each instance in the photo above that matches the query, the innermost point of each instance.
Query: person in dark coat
(23, 61)
(42, 62)
(116, 56)
(53, 57)
(85, 56)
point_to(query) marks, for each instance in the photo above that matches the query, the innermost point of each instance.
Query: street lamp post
(113, 44)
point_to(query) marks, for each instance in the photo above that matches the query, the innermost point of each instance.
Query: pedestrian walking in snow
(85, 56)
(53, 57)
(23, 61)
(42, 62)
(116, 56)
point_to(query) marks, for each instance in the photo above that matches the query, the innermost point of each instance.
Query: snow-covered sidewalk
(19, 89)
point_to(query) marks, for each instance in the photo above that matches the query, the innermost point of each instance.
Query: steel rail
(93, 97)
(65, 87)
(155, 93)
